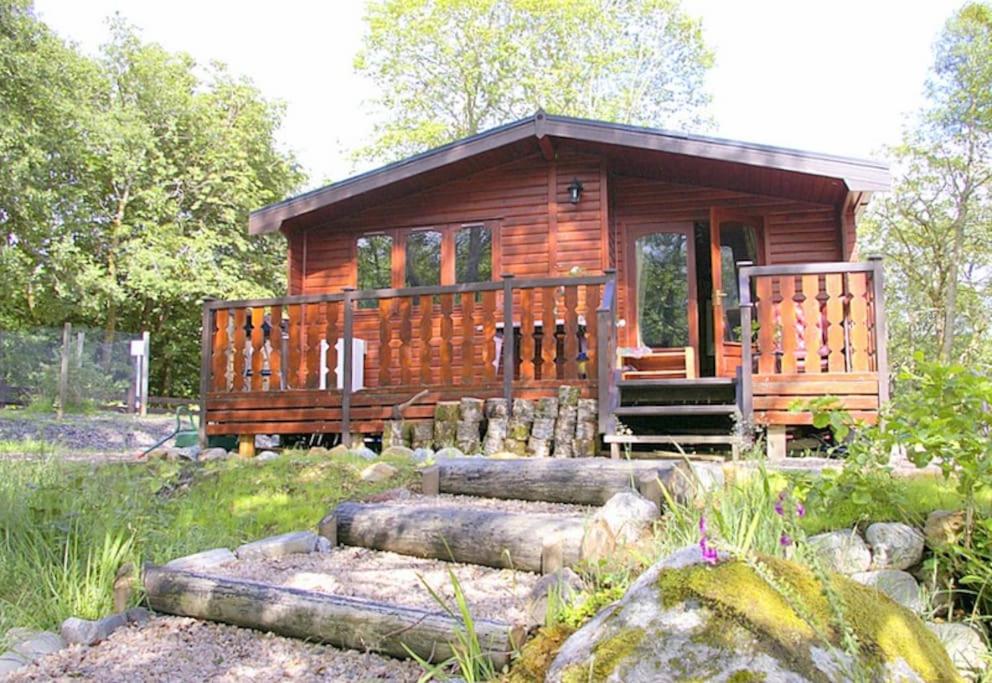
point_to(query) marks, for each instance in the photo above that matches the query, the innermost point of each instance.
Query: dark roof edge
(859, 174)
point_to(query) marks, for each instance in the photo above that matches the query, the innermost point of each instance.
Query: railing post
(346, 363)
(206, 357)
(508, 338)
(605, 354)
(746, 387)
(881, 329)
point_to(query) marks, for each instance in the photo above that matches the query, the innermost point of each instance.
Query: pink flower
(800, 510)
(784, 540)
(702, 526)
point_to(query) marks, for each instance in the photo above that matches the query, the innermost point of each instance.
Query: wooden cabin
(670, 276)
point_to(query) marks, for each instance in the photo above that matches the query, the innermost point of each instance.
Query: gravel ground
(110, 434)
(498, 594)
(503, 505)
(181, 649)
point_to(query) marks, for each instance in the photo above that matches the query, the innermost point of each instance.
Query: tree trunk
(460, 534)
(343, 622)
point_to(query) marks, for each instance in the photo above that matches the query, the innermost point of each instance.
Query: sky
(837, 77)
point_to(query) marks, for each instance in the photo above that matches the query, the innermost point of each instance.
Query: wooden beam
(352, 623)
(547, 148)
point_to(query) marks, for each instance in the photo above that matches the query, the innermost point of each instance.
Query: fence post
(206, 351)
(64, 368)
(881, 329)
(605, 356)
(746, 386)
(146, 357)
(508, 335)
(346, 365)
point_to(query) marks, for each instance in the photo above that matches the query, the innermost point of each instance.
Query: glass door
(661, 283)
(734, 239)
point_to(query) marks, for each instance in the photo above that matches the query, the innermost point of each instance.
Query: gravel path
(503, 505)
(498, 594)
(110, 434)
(181, 649)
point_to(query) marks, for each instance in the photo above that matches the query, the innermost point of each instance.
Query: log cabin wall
(795, 232)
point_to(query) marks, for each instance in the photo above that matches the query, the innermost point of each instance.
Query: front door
(661, 280)
(733, 238)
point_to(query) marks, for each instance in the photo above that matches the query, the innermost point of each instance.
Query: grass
(65, 528)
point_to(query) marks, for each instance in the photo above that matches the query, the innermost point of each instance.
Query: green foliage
(933, 228)
(66, 527)
(125, 185)
(452, 68)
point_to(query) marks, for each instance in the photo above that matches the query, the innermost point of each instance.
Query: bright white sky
(834, 77)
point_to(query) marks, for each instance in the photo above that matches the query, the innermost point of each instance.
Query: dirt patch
(83, 437)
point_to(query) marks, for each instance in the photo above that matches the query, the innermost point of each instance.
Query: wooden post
(777, 440)
(246, 445)
(881, 331)
(430, 483)
(605, 358)
(347, 361)
(146, 346)
(64, 368)
(206, 351)
(508, 338)
(746, 382)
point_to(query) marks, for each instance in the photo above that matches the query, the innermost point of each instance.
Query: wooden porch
(277, 366)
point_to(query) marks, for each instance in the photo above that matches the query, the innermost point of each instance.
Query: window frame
(448, 232)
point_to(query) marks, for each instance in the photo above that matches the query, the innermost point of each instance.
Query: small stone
(34, 644)
(943, 527)
(398, 452)
(266, 442)
(278, 546)
(842, 551)
(138, 616)
(377, 472)
(265, 456)
(363, 452)
(208, 559)
(447, 453)
(629, 516)
(320, 451)
(964, 646)
(894, 545)
(566, 585)
(190, 453)
(77, 631)
(323, 545)
(422, 454)
(338, 451)
(213, 454)
(898, 585)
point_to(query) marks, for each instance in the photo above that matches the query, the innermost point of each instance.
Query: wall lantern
(574, 191)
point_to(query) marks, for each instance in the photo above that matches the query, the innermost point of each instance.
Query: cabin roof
(694, 159)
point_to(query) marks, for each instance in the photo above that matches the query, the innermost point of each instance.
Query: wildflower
(710, 555)
(779, 504)
(702, 526)
(785, 540)
(800, 510)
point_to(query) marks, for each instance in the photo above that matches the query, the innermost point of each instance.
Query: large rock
(10, 662)
(77, 631)
(629, 516)
(378, 472)
(842, 551)
(398, 452)
(685, 620)
(34, 644)
(213, 454)
(363, 452)
(894, 545)
(898, 585)
(965, 647)
(278, 546)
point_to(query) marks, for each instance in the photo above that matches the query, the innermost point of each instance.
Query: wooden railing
(449, 336)
(814, 329)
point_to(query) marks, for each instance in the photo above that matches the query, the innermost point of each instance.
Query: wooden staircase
(681, 412)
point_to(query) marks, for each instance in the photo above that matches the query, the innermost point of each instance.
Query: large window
(473, 254)
(662, 289)
(375, 265)
(423, 258)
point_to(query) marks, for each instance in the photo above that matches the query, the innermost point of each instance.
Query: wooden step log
(525, 542)
(579, 481)
(340, 621)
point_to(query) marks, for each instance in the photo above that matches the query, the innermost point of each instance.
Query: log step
(343, 622)
(526, 542)
(579, 481)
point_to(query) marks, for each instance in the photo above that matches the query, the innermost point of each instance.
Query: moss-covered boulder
(687, 621)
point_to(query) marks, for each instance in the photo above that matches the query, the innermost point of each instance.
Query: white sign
(137, 347)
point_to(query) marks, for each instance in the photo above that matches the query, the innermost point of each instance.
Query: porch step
(689, 439)
(698, 409)
(677, 383)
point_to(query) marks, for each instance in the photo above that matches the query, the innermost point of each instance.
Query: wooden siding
(795, 232)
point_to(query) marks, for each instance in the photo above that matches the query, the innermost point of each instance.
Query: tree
(936, 227)
(153, 164)
(451, 68)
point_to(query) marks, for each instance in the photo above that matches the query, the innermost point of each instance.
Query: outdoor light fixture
(574, 191)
